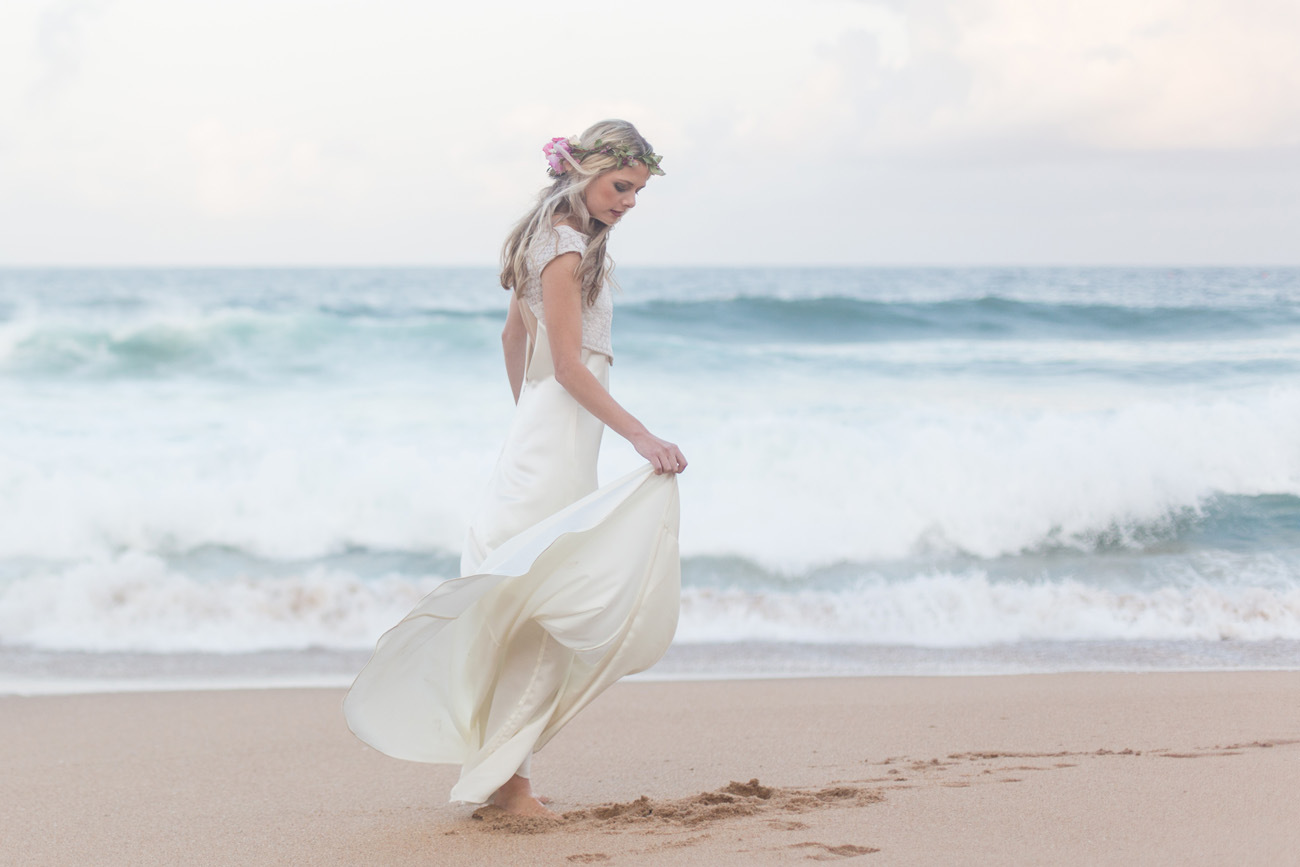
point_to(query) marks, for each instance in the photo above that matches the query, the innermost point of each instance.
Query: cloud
(265, 172)
(60, 28)
(826, 130)
(1108, 75)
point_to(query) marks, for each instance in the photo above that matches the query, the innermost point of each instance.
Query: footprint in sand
(834, 853)
(960, 770)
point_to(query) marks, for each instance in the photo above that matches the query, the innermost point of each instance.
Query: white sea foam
(965, 610)
(285, 418)
(1026, 354)
(779, 474)
(136, 603)
(929, 468)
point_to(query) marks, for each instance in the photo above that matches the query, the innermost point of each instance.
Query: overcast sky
(375, 132)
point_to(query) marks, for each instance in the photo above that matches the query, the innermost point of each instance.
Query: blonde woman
(564, 588)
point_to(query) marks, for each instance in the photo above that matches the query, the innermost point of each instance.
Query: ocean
(222, 476)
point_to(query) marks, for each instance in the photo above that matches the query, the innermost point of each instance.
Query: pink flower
(553, 150)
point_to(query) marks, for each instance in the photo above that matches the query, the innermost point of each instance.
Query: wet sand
(1178, 769)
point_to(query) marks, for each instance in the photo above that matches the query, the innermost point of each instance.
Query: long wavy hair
(563, 200)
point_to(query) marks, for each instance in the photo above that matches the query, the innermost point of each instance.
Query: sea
(226, 477)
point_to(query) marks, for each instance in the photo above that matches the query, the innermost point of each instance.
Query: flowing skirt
(564, 590)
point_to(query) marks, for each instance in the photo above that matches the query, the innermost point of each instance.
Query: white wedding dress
(564, 589)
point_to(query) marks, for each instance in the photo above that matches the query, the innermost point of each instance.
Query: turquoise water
(1024, 464)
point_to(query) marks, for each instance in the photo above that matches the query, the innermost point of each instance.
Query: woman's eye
(622, 188)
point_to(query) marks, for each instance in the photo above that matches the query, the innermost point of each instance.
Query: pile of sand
(729, 802)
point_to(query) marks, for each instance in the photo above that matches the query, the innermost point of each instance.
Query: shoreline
(26, 671)
(1102, 768)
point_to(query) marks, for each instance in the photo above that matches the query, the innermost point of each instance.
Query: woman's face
(613, 194)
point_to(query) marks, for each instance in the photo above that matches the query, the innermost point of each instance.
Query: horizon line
(283, 266)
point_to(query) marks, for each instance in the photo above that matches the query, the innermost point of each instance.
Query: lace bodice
(596, 318)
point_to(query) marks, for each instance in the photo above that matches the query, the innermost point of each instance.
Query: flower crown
(563, 154)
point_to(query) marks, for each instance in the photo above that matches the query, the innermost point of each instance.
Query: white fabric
(565, 589)
(598, 317)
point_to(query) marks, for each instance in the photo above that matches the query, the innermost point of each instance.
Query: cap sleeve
(548, 245)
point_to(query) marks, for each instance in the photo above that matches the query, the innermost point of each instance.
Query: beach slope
(1178, 769)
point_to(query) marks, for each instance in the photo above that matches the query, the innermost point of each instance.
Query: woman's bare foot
(516, 796)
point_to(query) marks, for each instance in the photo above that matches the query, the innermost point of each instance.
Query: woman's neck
(570, 221)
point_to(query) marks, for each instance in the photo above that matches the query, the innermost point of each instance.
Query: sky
(805, 132)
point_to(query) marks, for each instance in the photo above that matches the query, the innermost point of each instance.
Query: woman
(564, 588)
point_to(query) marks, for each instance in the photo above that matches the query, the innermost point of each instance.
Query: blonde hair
(563, 199)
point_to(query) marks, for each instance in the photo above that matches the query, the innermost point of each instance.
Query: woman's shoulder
(562, 238)
(567, 230)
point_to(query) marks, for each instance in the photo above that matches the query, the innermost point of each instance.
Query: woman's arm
(562, 303)
(514, 342)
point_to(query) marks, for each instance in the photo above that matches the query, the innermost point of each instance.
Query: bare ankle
(516, 796)
(515, 786)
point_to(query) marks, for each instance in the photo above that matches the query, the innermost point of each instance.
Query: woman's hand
(664, 456)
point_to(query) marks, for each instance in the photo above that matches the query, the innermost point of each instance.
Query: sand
(1178, 769)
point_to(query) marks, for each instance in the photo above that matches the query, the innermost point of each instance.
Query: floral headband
(561, 154)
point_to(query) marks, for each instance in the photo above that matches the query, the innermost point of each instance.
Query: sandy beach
(1191, 768)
